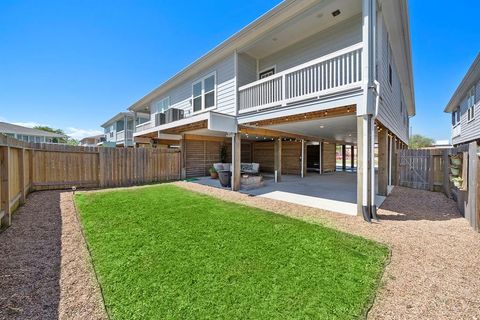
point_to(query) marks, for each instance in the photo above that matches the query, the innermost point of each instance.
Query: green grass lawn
(162, 252)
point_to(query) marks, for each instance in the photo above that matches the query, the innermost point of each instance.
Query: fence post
(21, 173)
(5, 189)
(472, 184)
(446, 180)
(101, 167)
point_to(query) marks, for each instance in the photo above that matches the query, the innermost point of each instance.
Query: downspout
(370, 111)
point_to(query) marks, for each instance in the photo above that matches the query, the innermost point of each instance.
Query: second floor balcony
(330, 74)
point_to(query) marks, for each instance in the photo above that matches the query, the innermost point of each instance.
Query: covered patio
(336, 191)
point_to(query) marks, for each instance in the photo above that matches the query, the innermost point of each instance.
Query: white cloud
(78, 134)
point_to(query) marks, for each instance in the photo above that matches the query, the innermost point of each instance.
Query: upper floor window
(162, 105)
(266, 73)
(203, 93)
(456, 116)
(140, 120)
(471, 104)
(120, 125)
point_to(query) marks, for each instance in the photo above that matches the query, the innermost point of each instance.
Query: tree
(66, 140)
(418, 141)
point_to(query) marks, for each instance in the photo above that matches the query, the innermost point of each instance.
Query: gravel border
(45, 268)
(435, 255)
(46, 271)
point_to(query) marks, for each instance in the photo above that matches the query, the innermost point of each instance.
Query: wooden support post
(383, 164)
(394, 162)
(303, 163)
(21, 174)
(183, 157)
(5, 189)
(278, 159)
(344, 157)
(320, 158)
(236, 161)
(352, 156)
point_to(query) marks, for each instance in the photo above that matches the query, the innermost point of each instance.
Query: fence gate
(415, 168)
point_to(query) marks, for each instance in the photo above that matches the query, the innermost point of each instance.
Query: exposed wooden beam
(323, 114)
(203, 138)
(263, 132)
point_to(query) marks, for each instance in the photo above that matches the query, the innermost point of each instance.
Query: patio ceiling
(310, 22)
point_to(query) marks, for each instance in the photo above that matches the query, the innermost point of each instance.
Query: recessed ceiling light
(336, 13)
(321, 127)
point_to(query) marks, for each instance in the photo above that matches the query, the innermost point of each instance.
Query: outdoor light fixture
(321, 127)
(336, 13)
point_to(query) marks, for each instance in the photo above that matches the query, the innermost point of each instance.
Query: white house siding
(392, 112)
(339, 36)
(180, 96)
(470, 130)
(247, 69)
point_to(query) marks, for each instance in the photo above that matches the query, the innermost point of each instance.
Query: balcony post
(236, 161)
(278, 159)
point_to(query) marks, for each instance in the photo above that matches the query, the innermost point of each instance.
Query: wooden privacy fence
(25, 167)
(431, 169)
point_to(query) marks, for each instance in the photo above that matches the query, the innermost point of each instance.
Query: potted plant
(213, 173)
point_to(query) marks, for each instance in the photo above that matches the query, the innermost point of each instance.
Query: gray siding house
(465, 107)
(119, 129)
(305, 77)
(29, 134)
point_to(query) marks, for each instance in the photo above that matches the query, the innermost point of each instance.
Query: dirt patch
(435, 262)
(45, 268)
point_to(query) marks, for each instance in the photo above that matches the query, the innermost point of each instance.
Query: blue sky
(74, 64)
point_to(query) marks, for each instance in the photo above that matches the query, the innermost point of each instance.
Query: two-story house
(306, 76)
(31, 134)
(119, 129)
(465, 107)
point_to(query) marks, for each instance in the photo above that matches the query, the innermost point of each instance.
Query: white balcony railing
(339, 71)
(144, 126)
(457, 130)
(121, 135)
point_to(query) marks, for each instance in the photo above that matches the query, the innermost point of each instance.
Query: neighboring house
(29, 134)
(92, 141)
(465, 107)
(301, 79)
(119, 129)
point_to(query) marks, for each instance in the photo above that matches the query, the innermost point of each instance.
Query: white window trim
(154, 106)
(202, 79)
(274, 67)
(471, 108)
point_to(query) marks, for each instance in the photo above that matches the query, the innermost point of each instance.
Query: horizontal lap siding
(340, 36)
(470, 130)
(180, 96)
(390, 112)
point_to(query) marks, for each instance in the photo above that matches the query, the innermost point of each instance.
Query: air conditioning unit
(173, 114)
(159, 119)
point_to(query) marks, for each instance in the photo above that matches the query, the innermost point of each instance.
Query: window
(140, 120)
(266, 73)
(471, 104)
(162, 105)
(130, 124)
(203, 93)
(456, 116)
(120, 125)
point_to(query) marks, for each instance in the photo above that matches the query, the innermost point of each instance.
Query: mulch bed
(45, 270)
